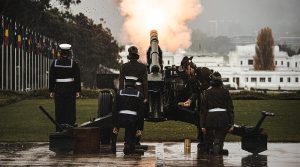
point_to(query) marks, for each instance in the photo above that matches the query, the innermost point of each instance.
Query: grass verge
(22, 121)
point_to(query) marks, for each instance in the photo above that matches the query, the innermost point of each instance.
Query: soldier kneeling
(129, 113)
(217, 115)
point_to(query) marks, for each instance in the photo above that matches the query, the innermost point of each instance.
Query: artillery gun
(253, 138)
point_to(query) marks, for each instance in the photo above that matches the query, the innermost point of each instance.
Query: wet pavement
(158, 154)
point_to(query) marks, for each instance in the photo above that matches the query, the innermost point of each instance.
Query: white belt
(216, 110)
(138, 83)
(128, 112)
(65, 80)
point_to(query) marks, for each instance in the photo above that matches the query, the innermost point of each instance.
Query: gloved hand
(138, 133)
(115, 130)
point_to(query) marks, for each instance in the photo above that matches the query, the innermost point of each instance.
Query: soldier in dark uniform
(196, 81)
(129, 113)
(64, 86)
(217, 116)
(191, 83)
(135, 69)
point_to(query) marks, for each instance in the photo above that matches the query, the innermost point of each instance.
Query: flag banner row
(26, 56)
(20, 36)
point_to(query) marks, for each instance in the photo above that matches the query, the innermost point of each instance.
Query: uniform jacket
(64, 69)
(129, 99)
(136, 69)
(216, 98)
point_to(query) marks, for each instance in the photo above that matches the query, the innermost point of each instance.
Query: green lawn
(23, 121)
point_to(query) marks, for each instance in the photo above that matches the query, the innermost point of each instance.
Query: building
(238, 71)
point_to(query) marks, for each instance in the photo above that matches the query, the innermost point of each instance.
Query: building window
(281, 62)
(288, 64)
(289, 79)
(168, 62)
(253, 79)
(296, 79)
(296, 64)
(241, 62)
(269, 79)
(225, 79)
(250, 62)
(276, 63)
(233, 79)
(246, 79)
(281, 79)
(262, 79)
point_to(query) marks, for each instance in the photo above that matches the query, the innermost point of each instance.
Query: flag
(11, 32)
(19, 38)
(38, 43)
(33, 41)
(15, 40)
(25, 41)
(29, 40)
(6, 33)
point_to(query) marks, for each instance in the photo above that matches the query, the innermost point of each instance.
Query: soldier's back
(134, 68)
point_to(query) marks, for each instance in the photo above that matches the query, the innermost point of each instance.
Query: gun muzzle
(154, 66)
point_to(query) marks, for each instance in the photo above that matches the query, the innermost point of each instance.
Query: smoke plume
(168, 17)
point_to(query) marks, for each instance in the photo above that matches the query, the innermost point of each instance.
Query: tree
(202, 42)
(92, 44)
(264, 49)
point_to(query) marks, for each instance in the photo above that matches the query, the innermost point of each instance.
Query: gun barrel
(154, 54)
(51, 119)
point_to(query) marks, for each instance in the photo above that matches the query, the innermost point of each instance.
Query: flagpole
(2, 66)
(34, 68)
(26, 70)
(15, 66)
(23, 64)
(11, 68)
(19, 69)
(2, 55)
(15, 62)
(34, 61)
(30, 70)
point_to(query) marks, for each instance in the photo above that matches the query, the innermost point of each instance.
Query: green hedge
(8, 97)
(251, 95)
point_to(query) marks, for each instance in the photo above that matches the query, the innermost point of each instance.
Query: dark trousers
(129, 123)
(65, 109)
(215, 136)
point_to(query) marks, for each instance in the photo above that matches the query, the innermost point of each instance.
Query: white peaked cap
(65, 46)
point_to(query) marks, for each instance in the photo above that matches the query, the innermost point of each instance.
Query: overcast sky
(235, 17)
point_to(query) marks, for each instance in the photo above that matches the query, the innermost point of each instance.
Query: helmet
(216, 76)
(65, 49)
(216, 79)
(133, 53)
(187, 61)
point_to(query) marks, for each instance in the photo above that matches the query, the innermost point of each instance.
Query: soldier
(192, 85)
(217, 116)
(129, 113)
(135, 69)
(64, 86)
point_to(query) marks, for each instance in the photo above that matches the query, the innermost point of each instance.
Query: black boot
(127, 150)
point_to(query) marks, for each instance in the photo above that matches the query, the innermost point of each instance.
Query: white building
(238, 71)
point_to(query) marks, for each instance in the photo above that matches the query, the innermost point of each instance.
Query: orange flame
(168, 17)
